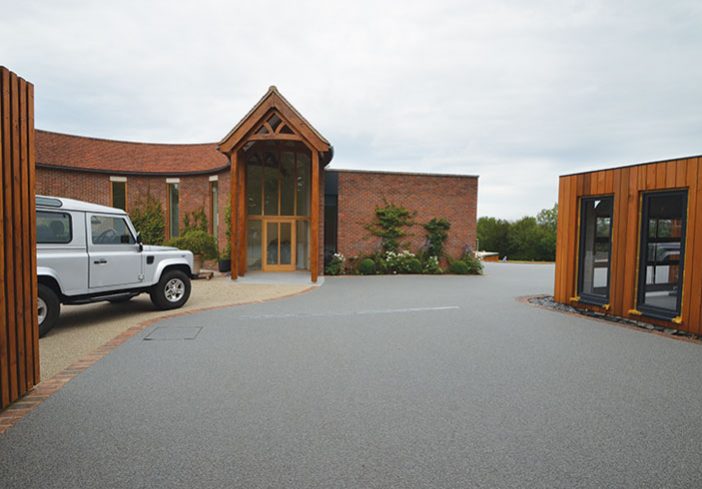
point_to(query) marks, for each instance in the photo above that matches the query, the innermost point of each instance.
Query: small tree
(389, 225)
(437, 234)
(149, 221)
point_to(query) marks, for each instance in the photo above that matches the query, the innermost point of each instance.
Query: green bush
(149, 221)
(336, 265)
(367, 266)
(459, 267)
(389, 225)
(437, 234)
(199, 242)
(413, 265)
(195, 221)
(475, 266)
(431, 266)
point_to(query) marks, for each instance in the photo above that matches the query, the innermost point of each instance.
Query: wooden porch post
(314, 225)
(241, 235)
(233, 202)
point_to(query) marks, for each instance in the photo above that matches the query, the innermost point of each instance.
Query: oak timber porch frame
(254, 127)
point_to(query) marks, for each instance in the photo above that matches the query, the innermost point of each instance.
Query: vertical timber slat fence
(19, 332)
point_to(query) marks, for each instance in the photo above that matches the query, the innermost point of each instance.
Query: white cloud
(518, 92)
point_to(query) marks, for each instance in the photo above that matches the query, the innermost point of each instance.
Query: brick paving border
(13, 413)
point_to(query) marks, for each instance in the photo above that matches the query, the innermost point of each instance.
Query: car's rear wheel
(48, 308)
(171, 291)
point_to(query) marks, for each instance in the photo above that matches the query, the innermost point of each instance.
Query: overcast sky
(517, 92)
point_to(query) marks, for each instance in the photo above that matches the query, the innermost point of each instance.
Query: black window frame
(587, 298)
(648, 310)
(70, 227)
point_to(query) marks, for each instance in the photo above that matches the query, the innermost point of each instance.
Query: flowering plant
(336, 265)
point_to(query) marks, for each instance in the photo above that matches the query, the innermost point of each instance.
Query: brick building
(271, 170)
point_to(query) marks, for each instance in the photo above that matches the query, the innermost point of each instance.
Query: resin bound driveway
(381, 382)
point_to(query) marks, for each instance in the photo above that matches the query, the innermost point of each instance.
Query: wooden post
(314, 225)
(241, 235)
(19, 348)
(234, 202)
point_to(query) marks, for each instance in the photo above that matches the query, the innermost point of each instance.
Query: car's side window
(109, 230)
(53, 228)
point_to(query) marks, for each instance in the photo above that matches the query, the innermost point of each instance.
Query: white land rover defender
(89, 253)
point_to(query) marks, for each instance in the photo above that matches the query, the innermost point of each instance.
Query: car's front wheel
(48, 308)
(171, 291)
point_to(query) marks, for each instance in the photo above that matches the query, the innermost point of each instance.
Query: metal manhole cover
(174, 333)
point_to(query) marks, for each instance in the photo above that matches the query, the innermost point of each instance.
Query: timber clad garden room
(630, 242)
(264, 190)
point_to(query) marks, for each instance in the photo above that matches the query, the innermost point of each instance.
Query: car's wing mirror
(140, 242)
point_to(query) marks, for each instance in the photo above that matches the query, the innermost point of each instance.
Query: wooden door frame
(264, 244)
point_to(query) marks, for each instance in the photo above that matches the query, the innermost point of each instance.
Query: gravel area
(82, 329)
(548, 302)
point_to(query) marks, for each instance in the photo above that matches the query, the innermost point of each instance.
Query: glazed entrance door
(279, 245)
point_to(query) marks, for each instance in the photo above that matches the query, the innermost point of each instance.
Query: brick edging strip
(46, 388)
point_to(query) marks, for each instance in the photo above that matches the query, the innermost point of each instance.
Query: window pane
(105, 230)
(254, 179)
(53, 227)
(287, 190)
(271, 181)
(253, 245)
(662, 253)
(214, 198)
(595, 243)
(272, 243)
(303, 184)
(173, 209)
(285, 243)
(119, 195)
(303, 250)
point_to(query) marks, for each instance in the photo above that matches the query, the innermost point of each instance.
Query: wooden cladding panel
(19, 332)
(626, 186)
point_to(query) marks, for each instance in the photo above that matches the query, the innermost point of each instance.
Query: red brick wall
(96, 188)
(452, 197)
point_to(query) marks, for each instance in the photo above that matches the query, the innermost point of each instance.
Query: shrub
(390, 221)
(437, 234)
(431, 266)
(199, 242)
(367, 266)
(413, 265)
(149, 221)
(336, 265)
(195, 221)
(475, 266)
(459, 267)
(398, 262)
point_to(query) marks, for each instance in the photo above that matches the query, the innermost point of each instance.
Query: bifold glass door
(595, 249)
(662, 253)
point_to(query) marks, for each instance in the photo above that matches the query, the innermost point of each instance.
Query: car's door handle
(101, 261)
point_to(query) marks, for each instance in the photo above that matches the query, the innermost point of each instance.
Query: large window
(278, 183)
(662, 253)
(119, 192)
(214, 207)
(173, 200)
(595, 248)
